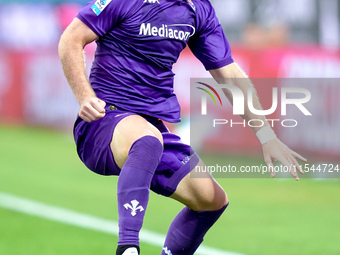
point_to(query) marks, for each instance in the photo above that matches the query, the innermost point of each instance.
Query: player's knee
(127, 132)
(146, 138)
(154, 133)
(148, 143)
(213, 202)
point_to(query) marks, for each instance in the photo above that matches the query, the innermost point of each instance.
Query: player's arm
(273, 148)
(76, 36)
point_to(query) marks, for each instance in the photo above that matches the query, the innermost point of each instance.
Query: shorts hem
(180, 174)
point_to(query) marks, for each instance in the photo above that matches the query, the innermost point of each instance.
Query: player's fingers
(91, 112)
(285, 161)
(102, 103)
(85, 116)
(292, 166)
(88, 113)
(98, 104)
(297, 165)
(297, 155)
(270, 165)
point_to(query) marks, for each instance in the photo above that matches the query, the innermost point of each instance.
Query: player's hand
(275, 150)
(92, 109)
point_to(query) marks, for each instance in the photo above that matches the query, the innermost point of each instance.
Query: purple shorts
(93, 146)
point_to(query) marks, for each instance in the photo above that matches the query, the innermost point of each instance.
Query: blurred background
(270, 39)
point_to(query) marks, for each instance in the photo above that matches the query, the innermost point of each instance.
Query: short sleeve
(209, 44)
(102, 15)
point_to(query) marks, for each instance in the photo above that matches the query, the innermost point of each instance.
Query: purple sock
(187, 230)
(134, 185)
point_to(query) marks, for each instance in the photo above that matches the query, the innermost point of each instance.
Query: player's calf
(188, 229)
(201, 193)
(206, 201)
(133, 188)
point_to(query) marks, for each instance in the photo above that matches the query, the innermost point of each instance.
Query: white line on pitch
(66, 216)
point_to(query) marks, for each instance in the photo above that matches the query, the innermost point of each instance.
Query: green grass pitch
(265, 217)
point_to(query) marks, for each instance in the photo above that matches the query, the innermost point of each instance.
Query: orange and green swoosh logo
(209, 93)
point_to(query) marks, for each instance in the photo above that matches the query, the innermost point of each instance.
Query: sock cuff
(145, 153)
(149, 142)
(209, 214)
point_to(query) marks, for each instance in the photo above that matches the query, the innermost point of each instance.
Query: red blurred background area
(33, 90)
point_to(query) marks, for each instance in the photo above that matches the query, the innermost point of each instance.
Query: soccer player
(120, 129)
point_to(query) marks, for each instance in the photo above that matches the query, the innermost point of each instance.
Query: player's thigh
(127, 131)
(201, 193)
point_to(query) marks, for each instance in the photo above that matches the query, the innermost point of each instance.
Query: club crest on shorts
(134, 207)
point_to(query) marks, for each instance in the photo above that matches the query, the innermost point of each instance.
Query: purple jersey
(140, 40)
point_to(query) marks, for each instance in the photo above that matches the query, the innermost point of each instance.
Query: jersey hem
(171, 120)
